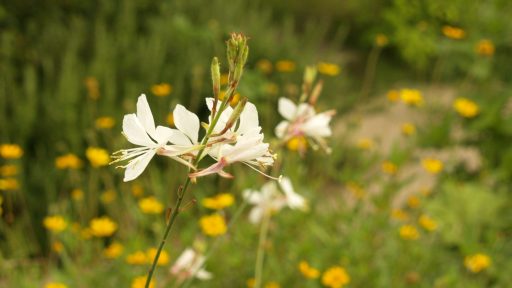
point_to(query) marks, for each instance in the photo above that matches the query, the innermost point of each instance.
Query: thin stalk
(369, 74)
(258, 271)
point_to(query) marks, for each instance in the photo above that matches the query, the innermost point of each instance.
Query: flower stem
(258, 271)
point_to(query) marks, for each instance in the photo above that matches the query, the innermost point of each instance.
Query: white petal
(248, 119)
(281, 129)
(294, 200)
(203, 275)
(135, 132)
(137, 166)
(179, 138)
(255, 215)
(145, 116)
(305, 110)
(318, 126)
(287, 108)
(187, 122)
(163, 134)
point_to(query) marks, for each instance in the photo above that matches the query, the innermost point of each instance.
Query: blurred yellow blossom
(93, 87)
(272, 285)
(408, 129)
(413, 201)
(235, 100)
(113, 250)
(162, 260)
(68, 161)
(264, 66)
(224, 78)
(250, 282)
(308, 271)
(170, 119)
(393, 95)
(104, 122)
(8, 170)
(297, 143)
(285, 66)
(137, 258)
(427, 223)
(411, 97)
(213, 225)
(140, 282)
(453, 32)
(1, 201)
(77, 194)
(55, 223)
(108, 196)
(485, 47)
(381, 40)
(219, 201)
(389, 167)
(432, 165)
(55, 285)
(10, 151)
(409, 232)
(329, 69)
(137, 190)
(102, 227)
(477, 262)
(335, 277)
(9, 184)
(271, 88)
(151, 205)
(161, 90)
(97, 156)
(399, 214)
(466, 107)
(57, 246)
(365, 144)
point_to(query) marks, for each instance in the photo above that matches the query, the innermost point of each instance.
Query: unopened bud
(237, 111)
(215, 69)
(310, 75)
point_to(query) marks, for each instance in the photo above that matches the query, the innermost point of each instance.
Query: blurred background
(423, 129)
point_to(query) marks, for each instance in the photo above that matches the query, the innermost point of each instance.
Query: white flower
(140, 130)
(271, 200)
(189, 264)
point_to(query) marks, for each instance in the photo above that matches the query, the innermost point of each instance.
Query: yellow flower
(140, 282)
(431, 165)
(413, 202)
(151, 205)
(477, 262)
(298, 143)
(162, 261)
(8, 170)
(102, 227)
(93, 87)
(213, 225)
(272, 285)
(264, 66)
(408, 129)
(308, 271)
(55, 285)
(137, 190)
(113, 250)
(335, 277)
(356, 190)
(68, 161)
(427, 223)
(97, 156)
(9, 184)
(250, 282)
(55, 223)
(224, 78)
(411, 97)
(365, 144)
(389, 167)
(453, 32)
(329, 69)
(381, 40)
(285, 66)
(77, 194)
(399, 214)
(161, 90)
(409, 232)
(219, 202)
(57, 246)
(137, 258)
(105, 122)
(485, 47)
(466, 107)
(10, 151)
(393, 95)
(170, 119)
(108, 196)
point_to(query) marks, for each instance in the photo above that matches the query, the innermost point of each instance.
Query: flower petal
(145, 116)
(135, 132)
(137, 166)
(163, 134)
(187, 122)
(248, 119)
(294, 200)
(287, 108)
(281, 129)
(318, 126)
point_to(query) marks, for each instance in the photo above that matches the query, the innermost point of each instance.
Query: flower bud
(236, 113)
(215, 70)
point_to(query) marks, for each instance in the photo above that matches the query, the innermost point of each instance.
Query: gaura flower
(189, 265)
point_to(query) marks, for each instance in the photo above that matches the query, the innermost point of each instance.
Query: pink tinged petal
(137, 166)
(145, 116)
(287, 108)
(135, 132)
(213, 169)
(281, 129)
(248, 119)
(187, 122)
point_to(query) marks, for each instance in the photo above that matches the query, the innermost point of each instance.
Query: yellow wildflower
(8, 170)
(399, 214)
(10, 151)
(93, 87)
(161, 90)
(250, 282)
(411, 97)
(329, 69)
(335, 277)
(140, 282)
(389, 167)
(162, 261)
(485, 47)
(381, 40)
(68, 161)
(408, 129)
(151, 205)
(308, 271)
(453, 32)
(431, 165)
(55, 223)
(137, 258)
(104, 122)
(393, 95)
(108, 196)
(213, 225)
(356, 190)
(170, 119)
(264, 66)
(55, 285)
(113, 250)
(365, 144)
(427, 223)
(272, 285)
(409, 232)
(219, 201)
(57, 246)
(102, 227)
(224, 78)
(77, 194)
(298, 143)
(97, 156)
(285, 66)
(466, 107)
(477, 262)
(137, 190)
(413, 201)
(9, 184)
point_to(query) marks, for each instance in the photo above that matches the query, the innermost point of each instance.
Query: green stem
(369, 74)
(258, 271)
